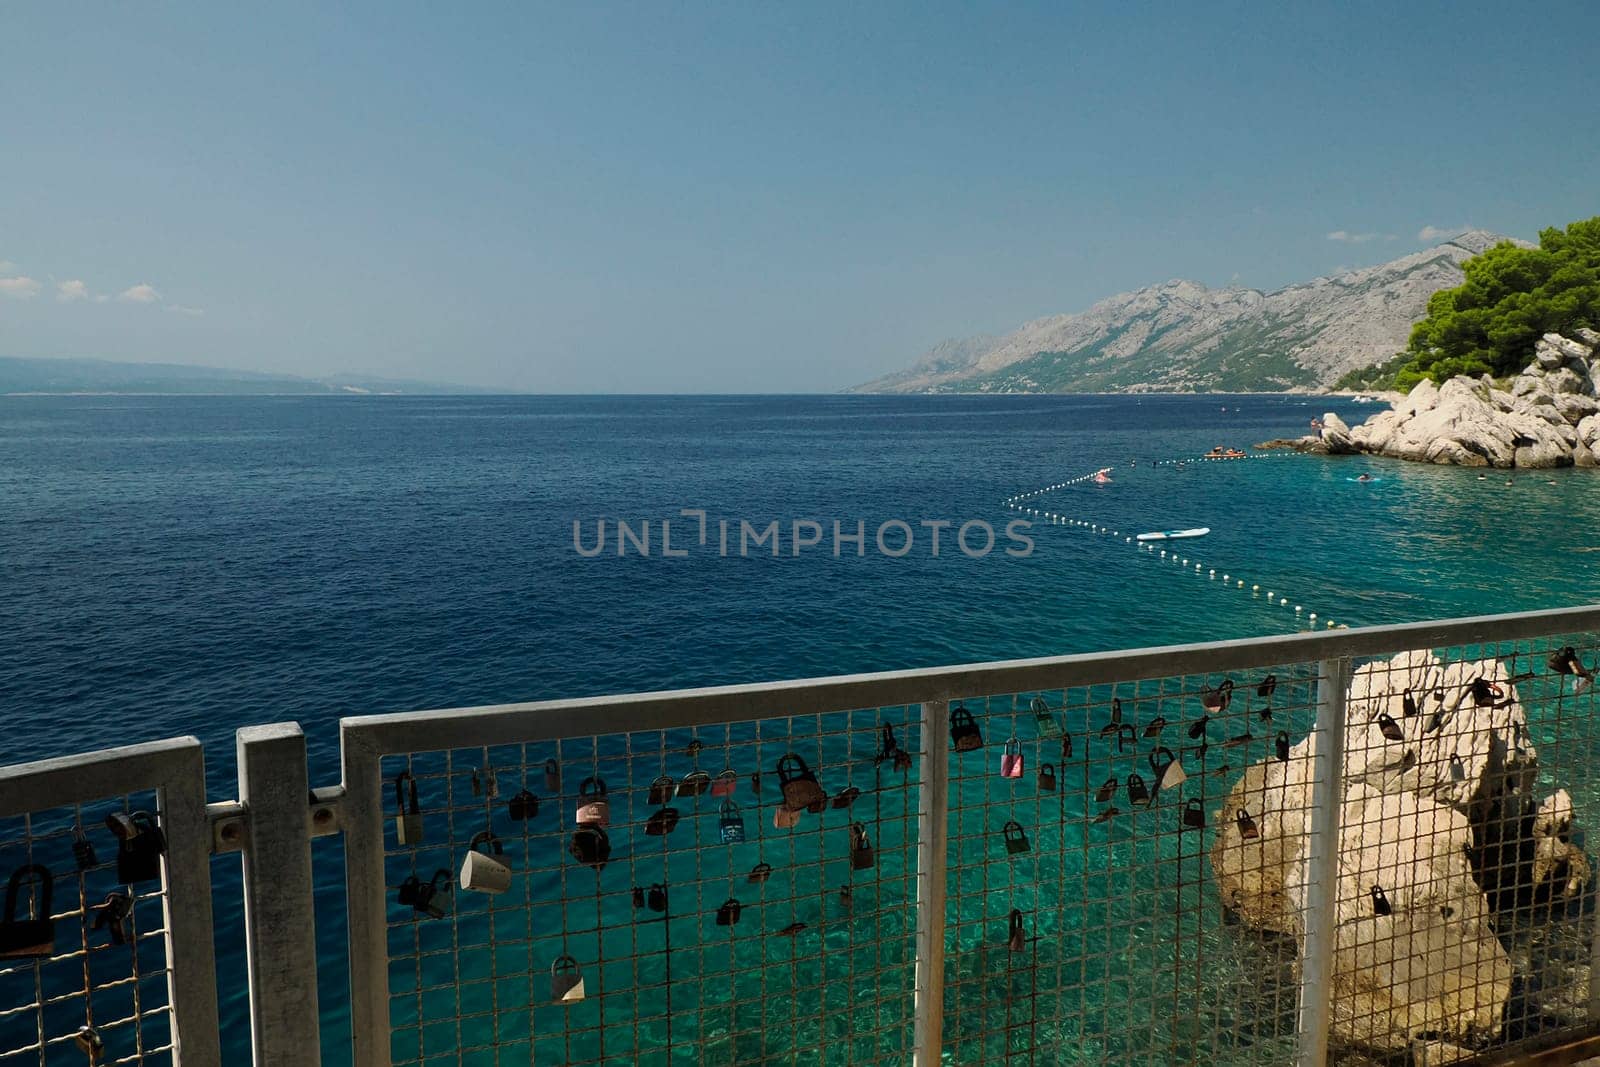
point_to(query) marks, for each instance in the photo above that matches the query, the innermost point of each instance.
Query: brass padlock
(965, 736)
(34, 935)
(89, 1042)
(799, 785)
(407, 820)
(593, 807)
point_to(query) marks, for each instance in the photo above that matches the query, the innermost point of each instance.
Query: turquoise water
(191, 565)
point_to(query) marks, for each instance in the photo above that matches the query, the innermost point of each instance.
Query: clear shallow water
(191, 565)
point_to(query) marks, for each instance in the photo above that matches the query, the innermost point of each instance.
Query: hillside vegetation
(1511, 297)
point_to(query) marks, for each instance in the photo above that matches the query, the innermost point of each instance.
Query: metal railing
(1243, 852)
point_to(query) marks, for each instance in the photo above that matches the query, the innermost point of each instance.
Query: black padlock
(1281, 744)
(111, 915)
(1126, 738)
(755, 782)
(1389, 728)
(407, 820)
(964, 733)
(1138, 792)
(1197, 729)
(83, 851)
(590, 846)
(1194, 816)
(662, 789)
(1268, 686)
(728, 914)
(1217, 700)
(141, 845)
(33, 936)
(694, 784)
(760, 873)
(638, 897)
(656, 899)
(1108, 789)
(1408, 704)
(1016, 939)
(1047, 778)
(1015, 837)
(860, 848)
(552, 777)
(408, 892)
(661, 822)
(1066, 746)
(1380, 902)
(846, 797)
(523, 806)
(428, 892)
(1116, 711)
(1154, 727)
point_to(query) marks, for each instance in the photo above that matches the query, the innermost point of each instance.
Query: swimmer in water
(1365, 478)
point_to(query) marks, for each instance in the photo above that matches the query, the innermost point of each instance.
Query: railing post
(186, 906)
(933, 815)
(1322, 867)
(365, 901)
(279, 918)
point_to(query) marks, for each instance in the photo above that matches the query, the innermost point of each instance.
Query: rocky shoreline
(1547, 416)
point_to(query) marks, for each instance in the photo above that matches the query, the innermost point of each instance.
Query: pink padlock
(1011, 760)
(723, 784)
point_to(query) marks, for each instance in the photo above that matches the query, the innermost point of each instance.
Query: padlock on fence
(32, 935)
(661, 822)
(785, 818)
(730, 823)
(1217, 700)
(1389, 728)
(1011, 759)
(590, 845)
(1280, 746)
(1138, 792)
(725, 783)
(552, 777)
(1380, 902)
(111, 915)
(728, 913)
(694, 784)
(408, 818)
(1016, 838)
(847, 796)
(1107, 790)
(1044, 719)
(759, 873)
(798, 785)
(523, 806)
(482, 870)
(662, 789)
(1168, 770)
(1127, 738)
(1047, 778)
(964, 733)
(1248, 831)
(90, 1043)
(1016, 938)
(566, 981)
(1194, 816)
(656, 899)
(861, 857)
(83, 851)
(140, 846)
(593, 807)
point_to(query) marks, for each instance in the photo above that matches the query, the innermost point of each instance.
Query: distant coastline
(101, 377)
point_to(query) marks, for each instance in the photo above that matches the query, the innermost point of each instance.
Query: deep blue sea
(192, 565)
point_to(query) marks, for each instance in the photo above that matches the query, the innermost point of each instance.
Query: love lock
(1248, 830)
(593, 807)
(141, 846)
(89, 1042)
(656, 899)
(730, 824)
(728, 914)
(1138, 792)
(408, 820)
(1016, 939)
(1194, 816)
(861, 858)
(785, 818)
(694, 784)
(1047, 778)
(760, 873)
(112, 916)
(725, 783)
(1168, 770)
(1015, 837)
(1011, 759)
(661, 822)
(83, 851)
(34, 936)
(523, 806)
(798, 785)
(482, 871)
(964, 733)
(662, 789)
(1380, 902)
(485, 784)
(552, 777)
(847, 796)
(590, 846)
(566, 980)
(1043, 718)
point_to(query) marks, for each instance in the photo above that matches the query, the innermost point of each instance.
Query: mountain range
(1182, 336)
(19, 375)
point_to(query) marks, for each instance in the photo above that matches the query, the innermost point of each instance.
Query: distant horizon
(767, 200)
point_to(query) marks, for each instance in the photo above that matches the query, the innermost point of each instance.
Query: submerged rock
(1439, 834)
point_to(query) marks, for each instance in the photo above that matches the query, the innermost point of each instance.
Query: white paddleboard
(1173, 535)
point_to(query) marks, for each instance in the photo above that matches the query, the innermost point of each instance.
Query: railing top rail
(545, 720)
(66, 780)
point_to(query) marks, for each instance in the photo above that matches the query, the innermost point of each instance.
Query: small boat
(1173, 535)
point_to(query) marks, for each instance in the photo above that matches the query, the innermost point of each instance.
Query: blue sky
(740, 197)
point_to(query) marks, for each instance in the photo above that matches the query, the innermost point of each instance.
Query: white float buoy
(1255, 589)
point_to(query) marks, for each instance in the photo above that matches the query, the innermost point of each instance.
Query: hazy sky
(740, 197)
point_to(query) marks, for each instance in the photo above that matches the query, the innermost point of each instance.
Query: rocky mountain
(1182, 336)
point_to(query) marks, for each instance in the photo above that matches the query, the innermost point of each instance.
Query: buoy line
(1229, 579)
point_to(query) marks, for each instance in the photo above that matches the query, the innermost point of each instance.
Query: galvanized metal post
(932, 839)
(1322, 867)
(279, 919)
(191, 973)
(365, 901)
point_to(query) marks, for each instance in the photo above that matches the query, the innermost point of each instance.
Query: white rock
(1423, 396)
(1568, 348)
(1547, 355)
(1567, 380)
(1336, 435)
(1575, 407)
(1528, 384)
(1589, 432)
(1587, 336)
